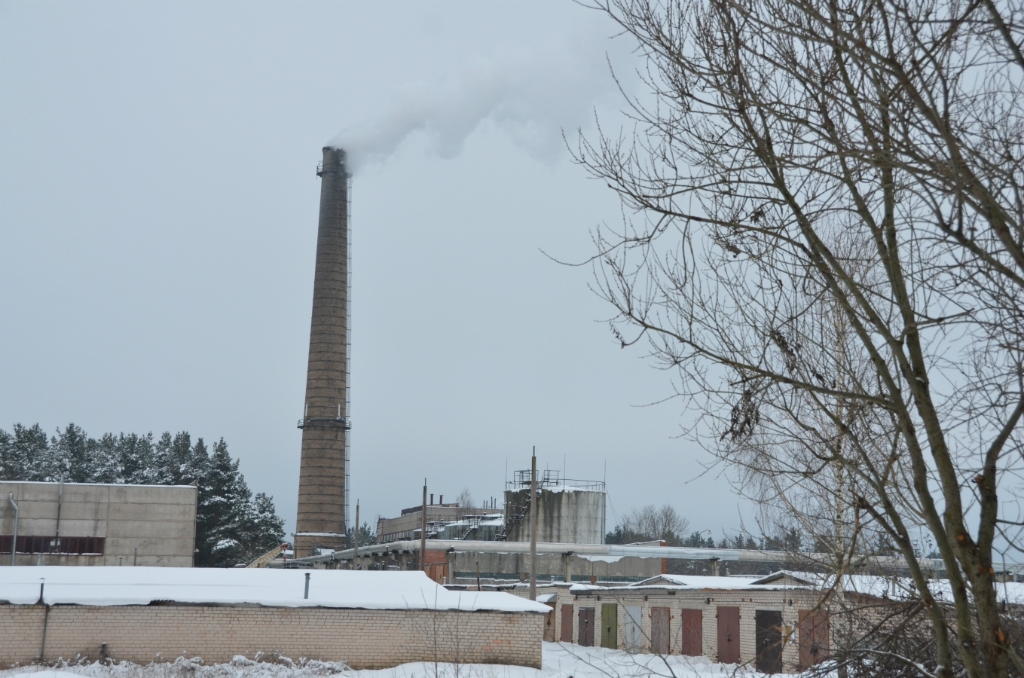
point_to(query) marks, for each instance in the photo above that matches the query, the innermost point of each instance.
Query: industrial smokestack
(323, 473)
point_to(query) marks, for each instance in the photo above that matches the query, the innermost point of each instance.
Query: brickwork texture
(321, 511)
(369, 639)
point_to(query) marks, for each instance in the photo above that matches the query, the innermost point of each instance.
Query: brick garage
(361, 638)
(246, 612)
(689, 610)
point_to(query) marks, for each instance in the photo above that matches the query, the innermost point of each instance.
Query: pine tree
(262, 529)
(135, 459)
(23, 452)
(224, 500)
(106, 463)
(70, 455)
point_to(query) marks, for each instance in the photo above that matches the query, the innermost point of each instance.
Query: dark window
(77, 546)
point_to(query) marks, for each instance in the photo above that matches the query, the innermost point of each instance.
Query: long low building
(772, 625)
(97, 524)
(364, 619)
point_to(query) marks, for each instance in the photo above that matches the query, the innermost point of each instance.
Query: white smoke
(531, 95)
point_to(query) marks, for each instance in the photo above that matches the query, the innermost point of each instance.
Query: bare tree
(825, 238)
(651, 523)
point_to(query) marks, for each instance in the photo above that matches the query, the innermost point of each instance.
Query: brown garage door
(586, 631)
(813, 627)
(661, 638)
(566, 623)
(729, 635)
(693, 633)
(768, 640)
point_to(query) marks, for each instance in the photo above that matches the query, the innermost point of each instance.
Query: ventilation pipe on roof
(14, 540)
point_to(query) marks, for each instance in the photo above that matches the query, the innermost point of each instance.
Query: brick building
(365, 619)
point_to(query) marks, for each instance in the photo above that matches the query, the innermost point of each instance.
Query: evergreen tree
(224, 497)
(135, 459)
(368, 537)
(70, 454)
(106, 464)
(23, 453)
(262, 529)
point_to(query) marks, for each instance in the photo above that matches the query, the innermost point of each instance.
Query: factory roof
(103, 586)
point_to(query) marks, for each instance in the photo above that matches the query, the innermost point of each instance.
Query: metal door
(634, 622)
(729, 635)
(693, 632)
(661, 634)
(813, 628)
(768, 636)
(586, 632)
(566, 623)
(610, 625)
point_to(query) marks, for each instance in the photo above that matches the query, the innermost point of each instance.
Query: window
(76, 546)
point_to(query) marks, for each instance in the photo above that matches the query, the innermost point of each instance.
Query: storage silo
(568, 511)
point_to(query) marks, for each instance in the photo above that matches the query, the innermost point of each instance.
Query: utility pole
(533, 526)
(423, 530)
(355, 554)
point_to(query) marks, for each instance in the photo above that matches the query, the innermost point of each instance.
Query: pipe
(533, 526)
(46, 620)
(14, 540)
(355, 558)
(583, 550)
(305, 596)
(423, 530)
(60, 501)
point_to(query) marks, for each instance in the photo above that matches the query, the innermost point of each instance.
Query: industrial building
(444, 521)
(368, 620)
(97, 524)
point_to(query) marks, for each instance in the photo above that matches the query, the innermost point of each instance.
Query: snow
(559, 661)
(602, 559)
(268, 587)
(699, 581)
(685, 582)
(898, 588)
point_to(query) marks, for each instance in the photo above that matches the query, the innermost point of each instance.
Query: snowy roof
(696, 581)
(892, 588)
(266, 587)
(686, 583)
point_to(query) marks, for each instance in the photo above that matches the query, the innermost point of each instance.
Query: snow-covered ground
(560, 661)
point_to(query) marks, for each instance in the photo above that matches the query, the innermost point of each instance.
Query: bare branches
(824, 236)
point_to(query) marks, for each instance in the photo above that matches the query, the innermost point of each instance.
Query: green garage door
(609, 625)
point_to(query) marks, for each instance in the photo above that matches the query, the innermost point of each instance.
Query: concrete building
(444, 521)
(95, 524)
(568, 511)
(368, 620)
(460, 561)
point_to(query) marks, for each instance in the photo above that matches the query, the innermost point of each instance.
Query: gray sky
(158, 216)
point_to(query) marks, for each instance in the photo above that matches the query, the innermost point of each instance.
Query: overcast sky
(158, 218)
